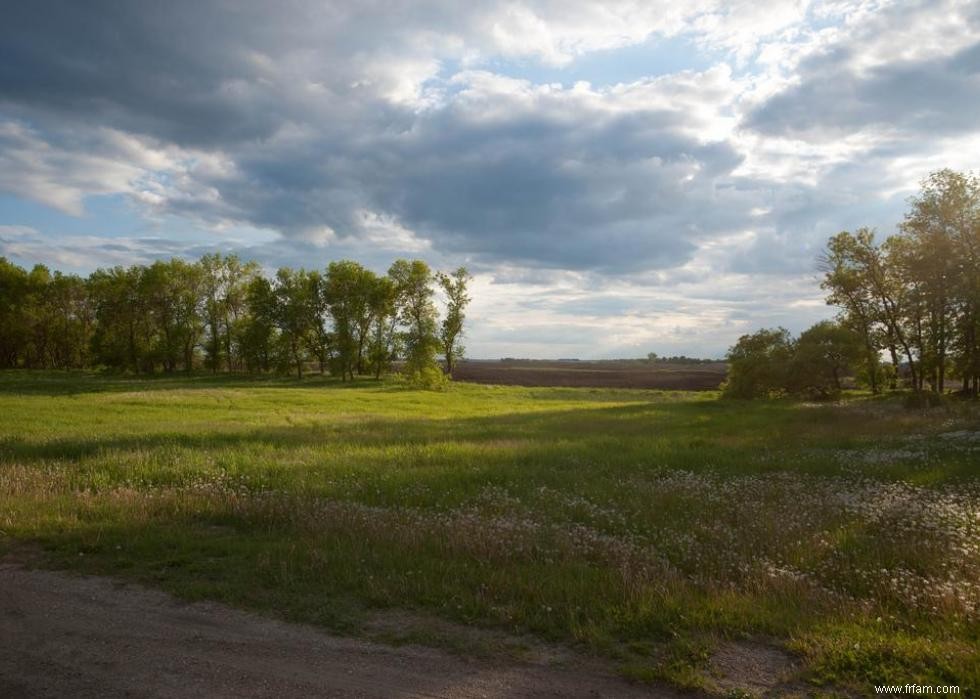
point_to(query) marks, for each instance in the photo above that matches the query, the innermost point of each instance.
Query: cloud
(379, 130)
(495, 169)
(83, 253)
(910, 71)
(61, 175)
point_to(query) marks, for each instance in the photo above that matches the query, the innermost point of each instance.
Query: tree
(319, 337)
(867, 280)
(365, 306)
(417, 314)
(159, 317)
(13, 313)
(213, 286)
(454, 286)
(40, 318)
(758, 364)
(123, 335)
(186, 279)
(292, 294)
(171, 292)
(849, 288)
(225, 287)
(383, 332)
(73, 319)
(942, 253)
(258, 332)
(239, 276)
(821, 357)
(349, 286)
(918, 293)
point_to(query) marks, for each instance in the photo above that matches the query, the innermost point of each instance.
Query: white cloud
(684, 207)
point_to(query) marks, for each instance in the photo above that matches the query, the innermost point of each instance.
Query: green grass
(642, 526)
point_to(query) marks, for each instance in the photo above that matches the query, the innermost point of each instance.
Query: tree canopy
(913, 297)
(222, 314)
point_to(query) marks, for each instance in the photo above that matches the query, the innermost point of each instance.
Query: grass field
(649, 528)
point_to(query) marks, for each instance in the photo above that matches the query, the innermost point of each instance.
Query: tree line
(222, 314)
(909, 307)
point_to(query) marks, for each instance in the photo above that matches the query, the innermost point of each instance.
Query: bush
(821, 358)
(758, 364)
(430, 378)
(770, 363)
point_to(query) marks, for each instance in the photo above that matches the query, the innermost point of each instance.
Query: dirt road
(64, 635)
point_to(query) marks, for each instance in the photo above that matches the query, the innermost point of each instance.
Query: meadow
(647, 528)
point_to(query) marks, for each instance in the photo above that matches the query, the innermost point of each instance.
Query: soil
(597, 374)
(755, 668)
(67, 635)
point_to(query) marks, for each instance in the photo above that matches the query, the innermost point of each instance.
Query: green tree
(867, 280)
(146, 318)
(417, 315)
(292, 294)
(382, 342)
(172, 296)
(73, 320)
(942, 266)
(258, 332)
(320, 338)
(454, 286)
(122, 336)
(850, 289)
(822, 357)
(225, 283)
(350, 289)
(40, 316)
(759, 364)
(13, 313)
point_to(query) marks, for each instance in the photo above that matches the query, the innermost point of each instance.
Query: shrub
(821, 358)
(430, 378)
(758, 364)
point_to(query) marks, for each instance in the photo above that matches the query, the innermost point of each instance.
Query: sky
(619, 177)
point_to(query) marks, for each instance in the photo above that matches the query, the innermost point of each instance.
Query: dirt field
(598, 374)
(72, 636)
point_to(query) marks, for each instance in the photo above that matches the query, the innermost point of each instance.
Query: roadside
(68, 635)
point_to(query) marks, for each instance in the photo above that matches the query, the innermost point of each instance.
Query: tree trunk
(872, 366)
(228, 344)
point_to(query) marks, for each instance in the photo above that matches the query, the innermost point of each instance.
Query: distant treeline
(677, 359)
(222, 314)
(913, 298)
(650, 358)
